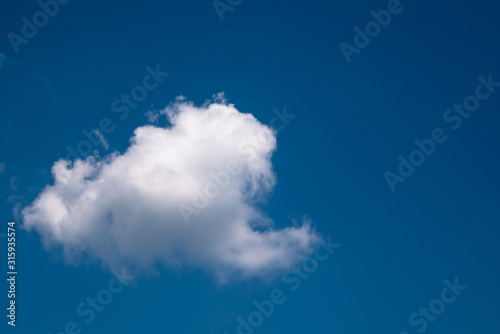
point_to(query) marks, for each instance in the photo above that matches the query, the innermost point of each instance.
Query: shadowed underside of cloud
(124, 209)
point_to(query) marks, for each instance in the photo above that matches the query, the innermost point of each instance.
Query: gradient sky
(352, 122)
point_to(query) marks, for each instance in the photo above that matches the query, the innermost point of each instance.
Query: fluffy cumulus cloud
(187, 194)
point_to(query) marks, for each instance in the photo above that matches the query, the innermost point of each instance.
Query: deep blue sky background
(353, 120)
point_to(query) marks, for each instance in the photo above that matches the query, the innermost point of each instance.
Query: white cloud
(2, 168)
(102, 139)
(124, 209)
(13, 183)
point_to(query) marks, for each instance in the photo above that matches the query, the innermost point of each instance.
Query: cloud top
(210, 168)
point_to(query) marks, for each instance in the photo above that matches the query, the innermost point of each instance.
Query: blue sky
(326, 178)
